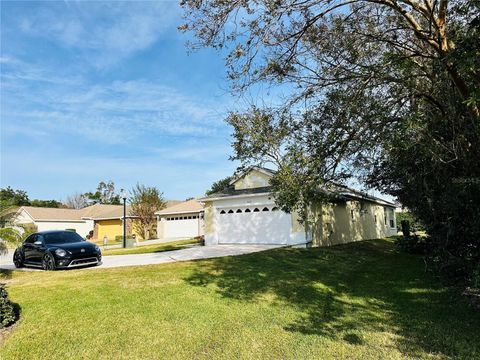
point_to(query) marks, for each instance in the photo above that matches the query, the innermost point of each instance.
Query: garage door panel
(181, 228)
(263, 227)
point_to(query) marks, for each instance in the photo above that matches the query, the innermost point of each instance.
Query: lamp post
(123, 195)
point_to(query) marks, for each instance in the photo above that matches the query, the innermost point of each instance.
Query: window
(222, 212)
(239, 211)
(176, 218)
(375, 218)
(265, 209)
(247, 210)
(392, 218)
(352, 215)
(230, 211)
(31, 239)
(385, 215)
(256, 210)
(189, 218)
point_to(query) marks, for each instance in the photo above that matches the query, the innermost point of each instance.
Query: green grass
(146, 249)
(358, 301)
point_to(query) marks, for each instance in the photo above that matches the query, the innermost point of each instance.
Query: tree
(11, 197)
(219, 185)
(14, 236)
(144, 202)
(105, 194)
(76, 201)
(383, 90)
(46, 203)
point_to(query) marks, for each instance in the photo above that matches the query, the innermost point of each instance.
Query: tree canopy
(145, 201)
(383, 90)
(219, 185)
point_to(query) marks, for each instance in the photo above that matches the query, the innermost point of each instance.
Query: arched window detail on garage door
(275, 209)
(222, 212)
(265, 209)
(238, 211)
(247, 210)
(230, 211)
(256, 210)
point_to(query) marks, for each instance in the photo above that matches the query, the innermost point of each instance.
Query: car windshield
(64, 237)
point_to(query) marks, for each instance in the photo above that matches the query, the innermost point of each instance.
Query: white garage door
(257, 225)
(180, 228)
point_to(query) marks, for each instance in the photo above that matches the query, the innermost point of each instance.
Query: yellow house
(246, 213)
(108, 221)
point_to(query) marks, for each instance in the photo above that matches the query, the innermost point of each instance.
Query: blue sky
(97, 91)
(94, 91)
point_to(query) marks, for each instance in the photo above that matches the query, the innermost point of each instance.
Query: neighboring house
(182, 220)
(104, 220)
(53, 219)
(246, 213)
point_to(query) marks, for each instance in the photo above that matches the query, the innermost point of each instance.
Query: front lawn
(358, 301)
(146, 249)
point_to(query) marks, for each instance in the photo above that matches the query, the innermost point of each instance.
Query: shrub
(413, 244)
(413, 222)
(119, 238)
(8, 311)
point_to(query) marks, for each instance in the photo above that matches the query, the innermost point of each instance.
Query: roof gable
(254, 177)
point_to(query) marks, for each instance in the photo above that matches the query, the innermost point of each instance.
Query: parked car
(52, 250)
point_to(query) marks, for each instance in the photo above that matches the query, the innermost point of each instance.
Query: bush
(8, 311)
(119, 238)
(413, 244)
(413, 222)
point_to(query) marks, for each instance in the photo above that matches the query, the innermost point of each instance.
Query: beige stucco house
(246, 213)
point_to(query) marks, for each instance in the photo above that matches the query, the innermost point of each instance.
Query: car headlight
(60, 252)
(97, 249)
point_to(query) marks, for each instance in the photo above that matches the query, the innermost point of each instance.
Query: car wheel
(48, 262)
(17, 259)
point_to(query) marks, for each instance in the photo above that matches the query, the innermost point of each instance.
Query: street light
(123, 195)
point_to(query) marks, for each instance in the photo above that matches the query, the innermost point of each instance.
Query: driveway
(192, 253)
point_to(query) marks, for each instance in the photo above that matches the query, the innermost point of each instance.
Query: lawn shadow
(364, 286)
(6, 274)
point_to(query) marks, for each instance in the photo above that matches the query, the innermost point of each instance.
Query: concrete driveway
(192, 253)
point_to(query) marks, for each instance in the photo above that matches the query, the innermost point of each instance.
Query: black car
(52, 250)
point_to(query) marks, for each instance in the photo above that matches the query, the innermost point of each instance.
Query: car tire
(48, 262)
(18, 259)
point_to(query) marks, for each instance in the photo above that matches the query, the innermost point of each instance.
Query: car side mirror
(38, 242)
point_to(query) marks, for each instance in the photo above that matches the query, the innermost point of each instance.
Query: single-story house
(104, 220)
(54, 219)
(246, 213)
(182, 220)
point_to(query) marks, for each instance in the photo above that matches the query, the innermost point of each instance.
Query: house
(246, 213)
(182, 220)
(104, 220)
(53, 219)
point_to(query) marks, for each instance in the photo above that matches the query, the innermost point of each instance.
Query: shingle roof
(41, 213)
(183, 207)
(340, 192)
(97, 211)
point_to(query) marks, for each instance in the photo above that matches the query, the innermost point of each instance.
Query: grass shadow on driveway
(353, 293)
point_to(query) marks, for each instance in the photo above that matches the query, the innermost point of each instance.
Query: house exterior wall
(340, 223)
(81, 227)
(112, 228)
(254, 179)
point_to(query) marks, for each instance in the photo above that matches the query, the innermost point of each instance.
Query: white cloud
(108, 112)
(106, 32)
